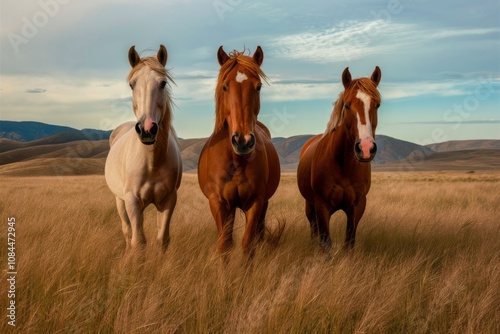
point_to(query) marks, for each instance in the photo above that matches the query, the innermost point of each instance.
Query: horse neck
(157, 154)
(341, 145)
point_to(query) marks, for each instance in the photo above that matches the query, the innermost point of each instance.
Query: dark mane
(235, 58)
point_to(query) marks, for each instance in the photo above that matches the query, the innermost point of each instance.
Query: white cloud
(300, 92)
(197, 89)
(343, 42)
(63, 97)
(464, 32)
(473, 85)
(415, 89)
(350, 40)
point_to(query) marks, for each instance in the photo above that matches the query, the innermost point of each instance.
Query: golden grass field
(427, 260)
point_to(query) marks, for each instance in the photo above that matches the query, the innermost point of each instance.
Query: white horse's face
(148, 80)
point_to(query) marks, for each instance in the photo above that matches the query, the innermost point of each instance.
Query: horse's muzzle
(147, 137)
(363, 152)
(243, 145)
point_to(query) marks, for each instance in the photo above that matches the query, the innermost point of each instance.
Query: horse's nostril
(357, 147)
(138, 128)
(154, 129)
(235, 139)
(251, 142)
(365, 150)
(242, 144)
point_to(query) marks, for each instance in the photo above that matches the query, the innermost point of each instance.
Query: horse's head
(150, 99)
(360, 103)
(237, 97)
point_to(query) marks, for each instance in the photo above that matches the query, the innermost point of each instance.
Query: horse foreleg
(126, 228)
(253, 219)
(261, 227)
(134, 209)
(323, 221)
(163, 217)
(224, 219)
(311, 216)
(354, 214)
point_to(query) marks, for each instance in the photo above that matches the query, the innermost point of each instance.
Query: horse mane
(366, 85)
(337, 114)
(154, 64)
(235, 58)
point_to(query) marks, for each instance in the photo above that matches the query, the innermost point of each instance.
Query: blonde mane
(235, 58)
(366, 85)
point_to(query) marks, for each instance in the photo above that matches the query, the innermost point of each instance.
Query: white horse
(144, 164)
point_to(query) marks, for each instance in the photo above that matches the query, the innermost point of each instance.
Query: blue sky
(65, 61)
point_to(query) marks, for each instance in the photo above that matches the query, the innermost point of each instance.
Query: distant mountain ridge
(464, 145)
(26, 131)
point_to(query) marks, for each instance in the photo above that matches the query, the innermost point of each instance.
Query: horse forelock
(235, 58)
(364, 85)
(154, 64)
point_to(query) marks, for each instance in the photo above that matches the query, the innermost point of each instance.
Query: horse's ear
(258, 56)
(133, 56)
(162, 55)
(376, 75)
(346, 78)
(222, 56)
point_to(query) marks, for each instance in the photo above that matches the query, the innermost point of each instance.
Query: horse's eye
(224, 88)
(131, 86)
(259, 87)
(347, 106)
(377, 105)
(163, 84)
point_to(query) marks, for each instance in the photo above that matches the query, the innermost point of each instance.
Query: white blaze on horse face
(240, 77)
(365, 130)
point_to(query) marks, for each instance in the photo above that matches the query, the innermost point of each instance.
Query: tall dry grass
(427, 260)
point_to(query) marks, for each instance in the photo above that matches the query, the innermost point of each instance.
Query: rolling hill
(466, 160)
(462, 145)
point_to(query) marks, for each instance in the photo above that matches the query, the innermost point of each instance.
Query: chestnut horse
(334, 171)
(144, 164)
(239, 166)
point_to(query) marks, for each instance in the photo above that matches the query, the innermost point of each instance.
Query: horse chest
(153, 192)
(338, 193)
(148, 184)
(349, 196)
(238, 190)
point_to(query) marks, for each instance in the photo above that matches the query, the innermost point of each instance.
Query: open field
(427, 260)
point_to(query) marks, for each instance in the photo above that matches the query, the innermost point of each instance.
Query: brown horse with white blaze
(238, 166)
(334, 171)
